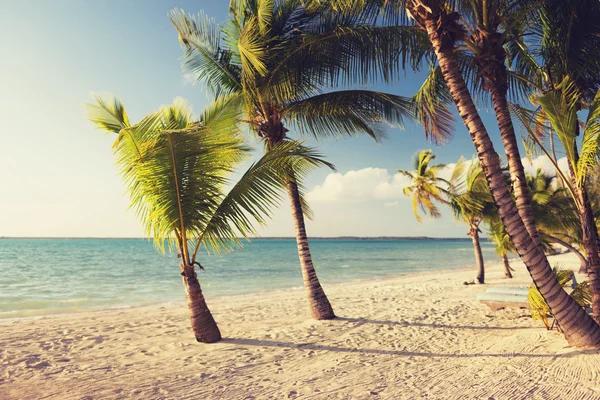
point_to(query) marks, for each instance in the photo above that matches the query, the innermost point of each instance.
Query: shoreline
(422, 335)
(233, 297)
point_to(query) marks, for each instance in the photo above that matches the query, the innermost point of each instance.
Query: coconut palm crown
(426, 185)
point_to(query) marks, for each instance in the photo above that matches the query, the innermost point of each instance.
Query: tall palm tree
(276, 57)
(176, 168)
(494, 27)
(471, 203)
(425, 184)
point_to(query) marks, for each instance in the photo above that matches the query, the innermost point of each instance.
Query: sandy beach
(421, 336)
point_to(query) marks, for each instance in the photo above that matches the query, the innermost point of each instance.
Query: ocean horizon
(46, 276)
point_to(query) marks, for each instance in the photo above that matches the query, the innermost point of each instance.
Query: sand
(422, 336)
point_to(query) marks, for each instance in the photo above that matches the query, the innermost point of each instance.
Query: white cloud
(545, 164)
(366, 184)
(369, 184)
(359, 185)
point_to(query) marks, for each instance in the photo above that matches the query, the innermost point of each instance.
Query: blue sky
(57, 172)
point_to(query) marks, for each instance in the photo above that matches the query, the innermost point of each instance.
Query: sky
(57, 173)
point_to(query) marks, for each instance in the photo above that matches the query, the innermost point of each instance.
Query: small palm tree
(497, 234)
(560, 106)
(275, 59)
(176, 168)
(426, 185)
(472, 203)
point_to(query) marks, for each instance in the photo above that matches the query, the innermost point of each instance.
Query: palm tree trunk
(590, 236)
(582, 261)
(515, 166)
(578, 327)
(319, 305)
(507, 268)
(203, 324)
(474, 233)
(590, 245)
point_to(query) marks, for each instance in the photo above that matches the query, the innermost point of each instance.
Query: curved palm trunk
(582, 261)
(515, 166)
(474, 233)
(579, 328)
(319, 305)
(204, 326)
(590, 244)
(507, 268)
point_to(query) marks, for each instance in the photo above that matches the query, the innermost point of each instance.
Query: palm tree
(275, 57)
(445, 31)
(565, 47)
(425, 187)
(467, 196)
(176, 168)
(560, 106)
(497, 234)
(471, 203)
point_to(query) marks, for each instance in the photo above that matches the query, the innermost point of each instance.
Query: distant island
(282, 238)
(361, 238)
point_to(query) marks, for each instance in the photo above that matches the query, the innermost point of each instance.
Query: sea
(41, 277)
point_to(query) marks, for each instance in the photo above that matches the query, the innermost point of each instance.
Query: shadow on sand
(397, 353)
(420, 324)
(402, 353)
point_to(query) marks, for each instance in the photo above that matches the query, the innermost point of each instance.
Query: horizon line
(250, 238)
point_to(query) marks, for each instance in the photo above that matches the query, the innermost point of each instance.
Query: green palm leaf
(252, 196)
(204, 58)
(107, 112)
(348, 112)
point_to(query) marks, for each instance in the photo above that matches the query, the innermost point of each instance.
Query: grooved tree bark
(319, 305)
(590, 244)
(515, 166)
(203, 324)
(579, 328)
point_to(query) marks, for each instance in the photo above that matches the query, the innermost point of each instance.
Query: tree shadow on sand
(397, 353)
(430, 325)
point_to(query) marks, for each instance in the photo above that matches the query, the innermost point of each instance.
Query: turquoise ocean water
(52, 276)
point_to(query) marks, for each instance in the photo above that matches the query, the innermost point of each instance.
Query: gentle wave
(128, 272)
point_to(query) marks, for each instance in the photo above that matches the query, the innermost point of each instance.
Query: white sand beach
(422, 336)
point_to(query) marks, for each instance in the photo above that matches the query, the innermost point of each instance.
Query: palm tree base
(203, 324)
(319, 306)
(213, 336)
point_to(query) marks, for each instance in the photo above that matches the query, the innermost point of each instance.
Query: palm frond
(107, 112)
(430, 106)
(252, 49)
(363, 55)
(560, 107)
(204, 58)
(590, 146)
(258, 190)
(264, 14)
(348, 112)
